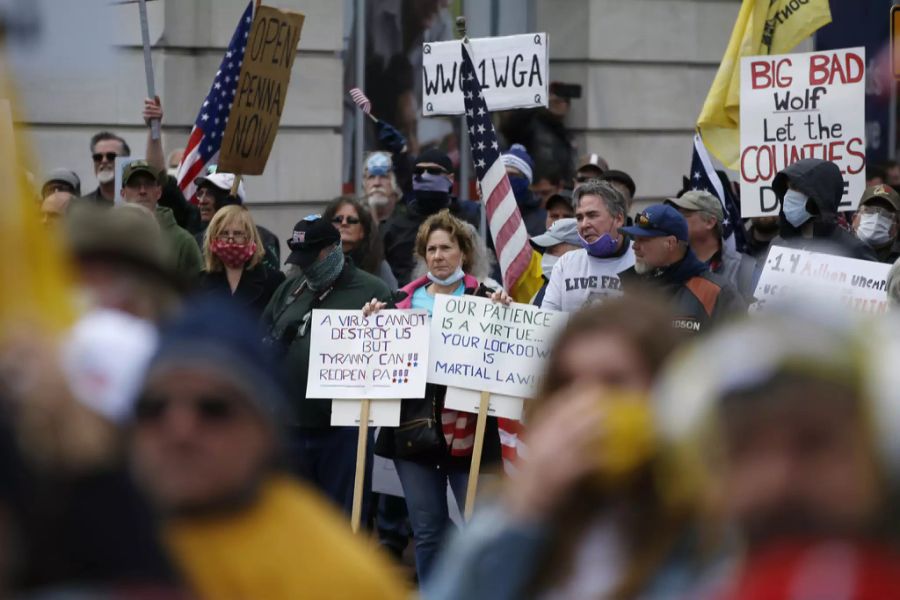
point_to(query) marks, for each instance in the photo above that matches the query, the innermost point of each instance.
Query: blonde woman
(233, 254)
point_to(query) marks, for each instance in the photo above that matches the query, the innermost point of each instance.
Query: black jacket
(823, 183)
(254, 290)
(699, 297)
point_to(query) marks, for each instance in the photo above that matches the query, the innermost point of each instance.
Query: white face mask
(874, 229)
(794, 208)
(547, 262)
(453, 278)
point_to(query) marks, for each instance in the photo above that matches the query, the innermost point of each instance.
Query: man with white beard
(664, 262)
(380, 185)
(105, 147)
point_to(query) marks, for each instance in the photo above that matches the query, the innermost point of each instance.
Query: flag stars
(480, 111)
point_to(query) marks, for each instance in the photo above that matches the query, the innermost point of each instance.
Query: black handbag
(420, 434)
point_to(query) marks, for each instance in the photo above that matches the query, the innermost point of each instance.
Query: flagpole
(360, 76)
(465, 153)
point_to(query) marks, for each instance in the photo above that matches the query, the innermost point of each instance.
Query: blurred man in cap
(591, 166)
(141, 186)
(875, 221)
(560, 238)
(559, 206)
(325, 455)
(704, 215)
(664, 260)
(58, 190)
(591, 274)
(520, 171)
(206, 442)
(623, 182)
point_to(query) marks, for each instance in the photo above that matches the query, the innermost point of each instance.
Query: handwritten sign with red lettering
(796, 106)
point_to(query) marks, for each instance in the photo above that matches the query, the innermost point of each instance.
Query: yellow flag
(35, 278)
(530, 282)
(762, 27)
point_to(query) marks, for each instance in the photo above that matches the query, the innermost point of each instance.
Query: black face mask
(430, 202)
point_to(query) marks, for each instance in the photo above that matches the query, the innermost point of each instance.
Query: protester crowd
(677, 447)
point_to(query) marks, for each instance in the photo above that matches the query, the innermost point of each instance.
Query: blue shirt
(422, 299)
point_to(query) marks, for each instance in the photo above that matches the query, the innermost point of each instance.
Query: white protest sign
(512, 71)
(381, 356)
(860, 285)
(796, 106)
(382, 412)
(499, 405)
(480, 345)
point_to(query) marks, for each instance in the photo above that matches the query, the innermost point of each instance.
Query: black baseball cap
(620, 177)
(433, 155)
(310, 235)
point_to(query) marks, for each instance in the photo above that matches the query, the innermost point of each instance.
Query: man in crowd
(891, 169)
(325, 455)
(663, 260)
(141, 185)
(623, 182)
(105, 148)
(60, 187)
(206, 443)
(559, 206)
(704, 215)
(591, 166)
(810, 192)
(380, 185)
(591, 274)
(431, 192)
(520, 171)
(546, 185)
(560, 238)
(875, 222)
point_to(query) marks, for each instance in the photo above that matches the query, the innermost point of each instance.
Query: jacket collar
(409, 289)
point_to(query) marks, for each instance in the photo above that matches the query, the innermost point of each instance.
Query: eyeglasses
(210, 409)
(109, 156)
(237, 236)
(429, 170)
(345, 219)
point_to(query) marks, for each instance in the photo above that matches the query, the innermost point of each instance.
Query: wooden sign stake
(362, 443)
(474, 470)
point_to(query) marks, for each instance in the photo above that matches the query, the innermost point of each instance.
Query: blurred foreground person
(233, 253)
(206, 446)
(797, 438)
(121, 261)
(665, 261)
(589, 513)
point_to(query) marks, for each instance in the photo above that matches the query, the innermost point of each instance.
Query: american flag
(206, 136)
(504, 219)
(361, 100)
(704, 177)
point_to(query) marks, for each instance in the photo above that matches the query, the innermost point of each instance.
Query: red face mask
(233, 255)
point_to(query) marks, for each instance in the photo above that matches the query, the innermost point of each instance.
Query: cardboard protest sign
(860, 285)
(796, 106)
(512, 71)
(261, 91)
(499, 405)
(480, 345)
(381, 356)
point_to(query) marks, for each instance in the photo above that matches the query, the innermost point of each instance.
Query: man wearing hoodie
(520, 170)
(141, 185)
(663, 260)
(875, 222)
(431, 192)
(810, 192)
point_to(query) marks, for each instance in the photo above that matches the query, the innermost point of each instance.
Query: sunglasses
(430, 171)
(210, 409)
(343, 219)
(99, 156)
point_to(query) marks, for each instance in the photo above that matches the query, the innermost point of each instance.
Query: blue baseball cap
(379, 163)
(657, 221)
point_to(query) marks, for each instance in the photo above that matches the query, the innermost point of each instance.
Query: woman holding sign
(432, 447)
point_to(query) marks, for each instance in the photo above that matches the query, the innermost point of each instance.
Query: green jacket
(182, 249)
(283, 321)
